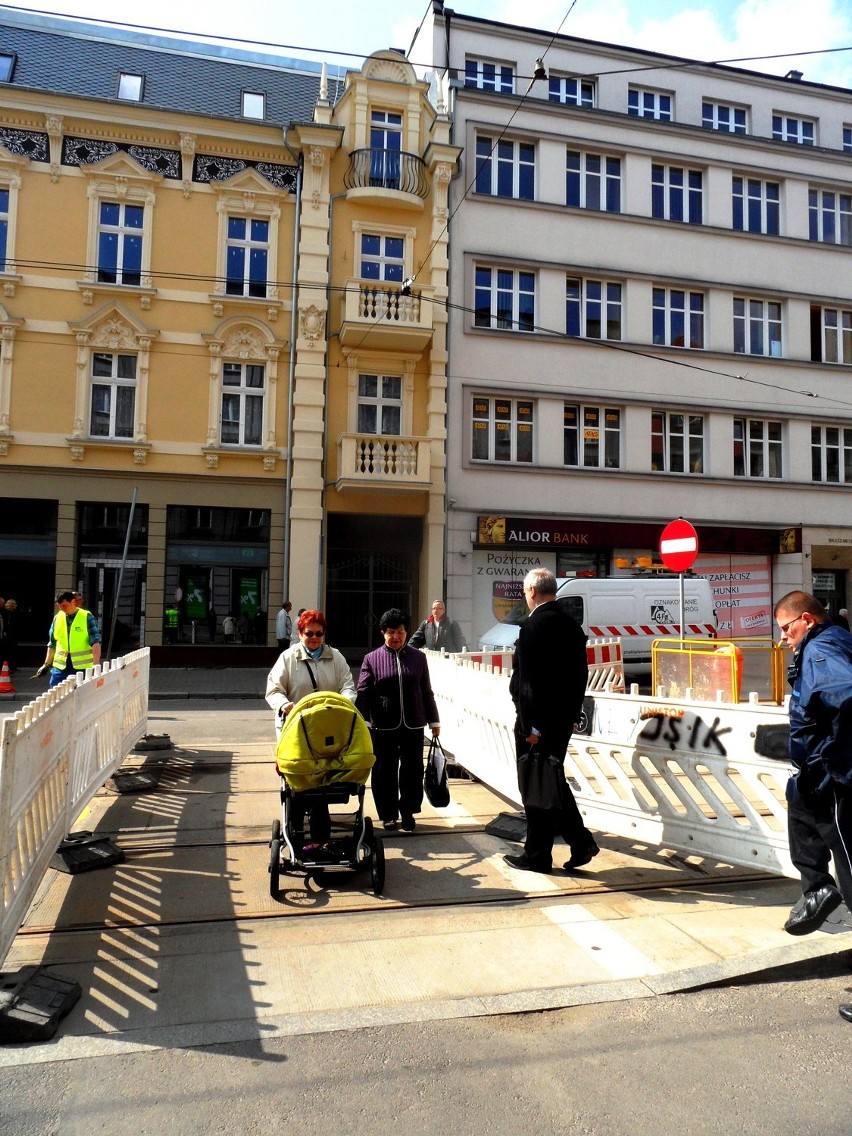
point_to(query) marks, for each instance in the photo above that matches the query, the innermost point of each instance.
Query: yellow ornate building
(228, 321)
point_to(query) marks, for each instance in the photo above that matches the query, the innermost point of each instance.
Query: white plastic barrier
(55, 754)
(683, 775)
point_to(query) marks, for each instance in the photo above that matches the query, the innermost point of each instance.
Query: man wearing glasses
(819, 793)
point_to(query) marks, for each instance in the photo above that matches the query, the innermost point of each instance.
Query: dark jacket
(821, 709)
(550, 672)
(443, 636)
(394, 690)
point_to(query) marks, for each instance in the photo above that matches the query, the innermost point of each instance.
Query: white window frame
(594, 294)
(520, 279)
(119, 179)
(504, 154)
(489, 75)
(112, 331)
(241, 340)
(829, 210)
(241, 393)
(761, 324)
(130, 86)
(253, 105)
(762, 445)
(835, 335)
(505, 420)
(677, 306)
(681, 444)
(247, 195)
(123, 233)
(723, 117)
(366, 363)
(593, 182)
(113, 383)
(572, 90)
(241, 286)
(10, 181)
(596, 430)
(831, 453)
(793, 128)
(678, 194)
(649, 104)
(383, 399)
(756, 190)
(847, 139)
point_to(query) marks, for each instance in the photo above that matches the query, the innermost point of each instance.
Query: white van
(638, 609)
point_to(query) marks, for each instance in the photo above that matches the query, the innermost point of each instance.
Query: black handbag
(541, 780)
(435, 777)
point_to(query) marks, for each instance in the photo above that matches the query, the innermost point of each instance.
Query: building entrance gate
(361, 587)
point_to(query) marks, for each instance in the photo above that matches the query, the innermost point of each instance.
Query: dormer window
(254, 105)
(130, 86)
(7, 66)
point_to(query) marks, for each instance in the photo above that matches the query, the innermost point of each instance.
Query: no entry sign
(678, 545)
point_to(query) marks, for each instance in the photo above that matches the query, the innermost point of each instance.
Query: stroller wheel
(276, 832)
(377, 866)
(274, 866)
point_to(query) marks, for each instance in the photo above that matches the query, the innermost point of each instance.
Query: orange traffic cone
(6, 688)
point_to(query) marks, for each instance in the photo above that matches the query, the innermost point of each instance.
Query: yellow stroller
(324, 758)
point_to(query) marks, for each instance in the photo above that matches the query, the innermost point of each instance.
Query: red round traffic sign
(678, 545)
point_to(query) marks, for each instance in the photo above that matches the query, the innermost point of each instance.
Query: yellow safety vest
(79, 648)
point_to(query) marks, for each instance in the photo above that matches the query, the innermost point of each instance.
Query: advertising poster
(195, 606)
(248, 589)
(742, 592)
(498, 579)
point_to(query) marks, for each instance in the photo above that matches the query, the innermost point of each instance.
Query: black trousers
(544, 825)
(397, 777)
(820, 829)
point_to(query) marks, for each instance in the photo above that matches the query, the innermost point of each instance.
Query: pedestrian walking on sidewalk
(309, 665)
(284, 626)
(549, 676)
(819, 794)
(395, 696)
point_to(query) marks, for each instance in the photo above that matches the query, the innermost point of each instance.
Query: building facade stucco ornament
(187, 155)
(244, 343)
(311, 323)
(54, 125)
(78, 450)
(140, 455)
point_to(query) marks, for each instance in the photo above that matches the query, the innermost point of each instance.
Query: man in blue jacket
(819, 793)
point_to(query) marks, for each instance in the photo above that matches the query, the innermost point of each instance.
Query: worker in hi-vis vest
(75, 640)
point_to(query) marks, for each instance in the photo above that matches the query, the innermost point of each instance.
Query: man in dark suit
(549, 677)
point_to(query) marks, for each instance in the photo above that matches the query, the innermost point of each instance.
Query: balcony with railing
(390, 174)
(386, 316)
(383, 461)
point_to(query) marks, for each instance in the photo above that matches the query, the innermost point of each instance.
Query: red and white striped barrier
(703, 630)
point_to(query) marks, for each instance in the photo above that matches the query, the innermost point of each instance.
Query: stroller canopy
(324, 740)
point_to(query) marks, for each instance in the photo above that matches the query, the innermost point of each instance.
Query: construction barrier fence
(55, 754)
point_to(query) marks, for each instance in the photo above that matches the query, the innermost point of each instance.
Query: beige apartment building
(223, 313)
(651, 318)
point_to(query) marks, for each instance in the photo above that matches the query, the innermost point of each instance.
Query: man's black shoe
(846, 1012)
(815, 908)
(581, 858)
(526, 865)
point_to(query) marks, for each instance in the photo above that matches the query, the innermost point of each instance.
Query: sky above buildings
(712, 30)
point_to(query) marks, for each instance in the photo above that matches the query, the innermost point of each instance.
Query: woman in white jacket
(307, 666)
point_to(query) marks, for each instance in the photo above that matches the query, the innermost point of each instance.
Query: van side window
(573, 606)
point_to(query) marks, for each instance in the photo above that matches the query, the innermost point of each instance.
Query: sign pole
(678, 550)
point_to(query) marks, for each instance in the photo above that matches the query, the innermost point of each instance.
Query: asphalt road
(769, 1057)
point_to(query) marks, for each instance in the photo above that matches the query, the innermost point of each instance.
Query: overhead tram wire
(553, 333)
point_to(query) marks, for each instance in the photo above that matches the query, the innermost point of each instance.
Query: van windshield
(518, 614)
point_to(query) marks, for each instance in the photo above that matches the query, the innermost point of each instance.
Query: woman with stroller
(395, 696)
(307, 666)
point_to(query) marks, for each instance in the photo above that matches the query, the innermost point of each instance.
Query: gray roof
(182, 76)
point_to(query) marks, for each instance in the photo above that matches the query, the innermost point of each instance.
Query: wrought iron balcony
(387, 170)
(384, 461)
(382, 315)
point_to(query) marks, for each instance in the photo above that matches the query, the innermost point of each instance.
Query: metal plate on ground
(32, 1003)
(133, 782)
